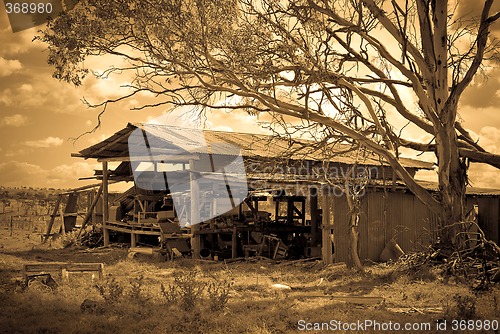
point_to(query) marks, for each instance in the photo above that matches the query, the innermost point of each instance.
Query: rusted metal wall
(402, 216)
(489, 215)
(384, 215)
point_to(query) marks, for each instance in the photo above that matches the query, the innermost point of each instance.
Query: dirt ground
(145, 294)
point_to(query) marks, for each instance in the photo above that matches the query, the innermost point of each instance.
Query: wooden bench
(64, 269)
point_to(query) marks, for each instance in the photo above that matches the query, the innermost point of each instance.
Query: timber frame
(302, 201)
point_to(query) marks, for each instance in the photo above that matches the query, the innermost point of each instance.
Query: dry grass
(234, 298)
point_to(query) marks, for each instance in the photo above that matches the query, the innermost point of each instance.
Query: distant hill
(29, 193)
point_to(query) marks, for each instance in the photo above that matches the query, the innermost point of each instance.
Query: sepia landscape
(243, 166)
(145, 293)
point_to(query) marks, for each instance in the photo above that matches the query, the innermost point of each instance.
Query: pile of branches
(472, 257)
(92, 239)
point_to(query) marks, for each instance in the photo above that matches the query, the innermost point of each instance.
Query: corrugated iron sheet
(384, 216)
(217, 142)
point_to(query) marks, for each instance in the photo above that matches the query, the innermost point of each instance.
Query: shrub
(136, 292)
(188, 290)
(111, 291)
(185, 291)
(218, 293)
(463, 307)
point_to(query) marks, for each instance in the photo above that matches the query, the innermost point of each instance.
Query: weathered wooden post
(105, 212)
(195, 210)
(313, 206)
(234, 243)
(327, 226)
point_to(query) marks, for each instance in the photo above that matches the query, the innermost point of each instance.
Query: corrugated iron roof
(473, 191)
(219, 142)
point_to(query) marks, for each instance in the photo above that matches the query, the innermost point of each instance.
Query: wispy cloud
(44, 143)
(15, 120)
(8, 67)
(16, 173)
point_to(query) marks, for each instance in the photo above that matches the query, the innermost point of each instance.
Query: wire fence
(30, 223)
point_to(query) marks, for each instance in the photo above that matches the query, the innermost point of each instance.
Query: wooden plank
(144, 250)
(133, 240)
(84, 266)
(90, 211)
(63, 268)
(364, 300)
(195, 211)
(62, 229)
(52, 217)
(82, 188)
(35, 267)
(313, 206)
(105, 203)
(328, 216)
(70, 212)
(128, 230)
(234, 244)
(155, 157)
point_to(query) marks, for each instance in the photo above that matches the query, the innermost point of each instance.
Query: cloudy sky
(39, 115)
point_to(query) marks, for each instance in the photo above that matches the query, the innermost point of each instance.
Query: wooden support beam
(90, 211)
(328, 220)
(313, 206)
(234, 243)
(195, 211)
(133, 240)
(155, 157)
(70, 212)
(90, 186)
(52, 218)
(105, 206)
(62, 229)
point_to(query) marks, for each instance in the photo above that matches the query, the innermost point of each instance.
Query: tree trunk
(452, 180)
(354, 261)
(354, 207)
(452, 177)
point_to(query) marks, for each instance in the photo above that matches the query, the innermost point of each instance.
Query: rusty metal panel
(400, 214)
(376, 226)
(364, 241)
(424, 226)
(394, 217)
(341, 229)
(489, 217)
(407, 228)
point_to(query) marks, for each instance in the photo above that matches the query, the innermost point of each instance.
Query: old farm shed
(254, 194)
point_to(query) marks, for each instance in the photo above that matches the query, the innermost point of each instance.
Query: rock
(91, 306)
(281, 286)
(392, 251)
(43, 282)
